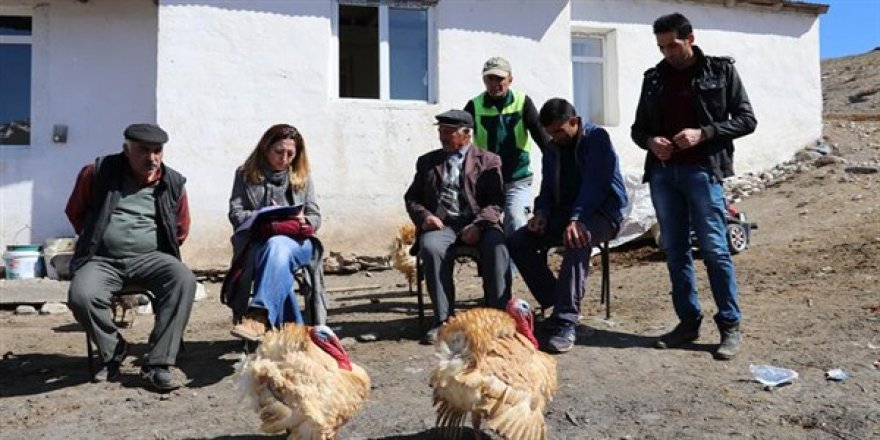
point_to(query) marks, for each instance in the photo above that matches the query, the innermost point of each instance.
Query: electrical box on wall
(59, 134)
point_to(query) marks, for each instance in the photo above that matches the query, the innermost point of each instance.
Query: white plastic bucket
(22, 262)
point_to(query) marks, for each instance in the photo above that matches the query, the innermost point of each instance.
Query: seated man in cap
(131, 214)
(456, 197)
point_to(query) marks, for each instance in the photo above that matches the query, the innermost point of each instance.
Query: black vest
(110, 172)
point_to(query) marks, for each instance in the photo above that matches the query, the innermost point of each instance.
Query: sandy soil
(808, 284)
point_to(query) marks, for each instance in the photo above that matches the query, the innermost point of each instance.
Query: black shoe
(121, 351)
(430, 337)
(160, 378)
(550, 325)
(731, 341)
(683, 333)
(563, 338)
(109, 372)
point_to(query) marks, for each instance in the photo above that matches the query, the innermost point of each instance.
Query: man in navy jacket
(580, 205)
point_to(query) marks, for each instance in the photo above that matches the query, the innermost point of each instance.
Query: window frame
(28, 40)
(610, 107)
(385, 51)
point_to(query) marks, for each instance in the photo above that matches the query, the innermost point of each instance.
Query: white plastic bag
(772, 376)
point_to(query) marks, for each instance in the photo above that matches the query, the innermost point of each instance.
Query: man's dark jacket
(481, 184)
(724, 112)
(110, 172)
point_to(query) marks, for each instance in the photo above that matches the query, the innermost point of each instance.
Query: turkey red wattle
(333, 347)
(525, 324)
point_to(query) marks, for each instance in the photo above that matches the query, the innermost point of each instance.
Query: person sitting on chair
(269, 252)
(456, 197)
(580, 205)
(131, 214)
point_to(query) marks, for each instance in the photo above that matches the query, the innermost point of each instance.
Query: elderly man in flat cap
(131, 214)
(456, 197)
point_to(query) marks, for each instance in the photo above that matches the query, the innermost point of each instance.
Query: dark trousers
(438, 254)
(172, 284)
(529, 253)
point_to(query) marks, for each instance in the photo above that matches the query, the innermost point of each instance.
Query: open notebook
(270, 213)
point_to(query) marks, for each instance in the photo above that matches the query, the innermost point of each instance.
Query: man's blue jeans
(275, 262)
(685, 197)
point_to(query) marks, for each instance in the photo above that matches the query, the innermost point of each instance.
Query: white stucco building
(216, 74)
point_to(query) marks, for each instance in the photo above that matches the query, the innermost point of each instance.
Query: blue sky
(849, 27)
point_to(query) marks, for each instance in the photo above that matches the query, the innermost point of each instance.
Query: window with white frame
(588, 76)
(15, 80)
(385, 48)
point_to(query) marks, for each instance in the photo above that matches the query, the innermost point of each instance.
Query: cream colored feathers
(490, 370)
(296, 385)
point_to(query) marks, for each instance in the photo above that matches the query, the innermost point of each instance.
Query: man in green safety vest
(503, 121)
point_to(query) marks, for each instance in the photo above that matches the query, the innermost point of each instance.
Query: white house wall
(245, 66)
(216, 74)
(93, 69)
(776, 53)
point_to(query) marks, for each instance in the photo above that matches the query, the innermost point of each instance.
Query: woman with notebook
(274, 214)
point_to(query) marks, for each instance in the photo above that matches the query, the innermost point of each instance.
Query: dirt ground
(809, 293)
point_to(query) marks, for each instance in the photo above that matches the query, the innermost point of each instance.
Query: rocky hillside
(851, 87)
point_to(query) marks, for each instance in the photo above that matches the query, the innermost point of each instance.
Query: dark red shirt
(680, 112)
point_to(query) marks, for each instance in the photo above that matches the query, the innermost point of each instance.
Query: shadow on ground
(593, 337)
(203, 362)
(430, 434)
(31, 374)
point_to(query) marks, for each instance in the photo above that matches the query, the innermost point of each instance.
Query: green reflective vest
(504, 133)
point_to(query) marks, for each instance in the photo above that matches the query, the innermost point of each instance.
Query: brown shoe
(252, 327)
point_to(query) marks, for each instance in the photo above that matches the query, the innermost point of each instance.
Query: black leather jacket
(723, 109)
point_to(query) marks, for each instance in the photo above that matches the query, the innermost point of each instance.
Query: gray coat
(236, 291)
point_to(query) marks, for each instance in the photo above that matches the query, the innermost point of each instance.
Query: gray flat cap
(146, 133)
(457, 118)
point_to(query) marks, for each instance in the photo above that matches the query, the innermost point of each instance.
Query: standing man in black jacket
(691, 108)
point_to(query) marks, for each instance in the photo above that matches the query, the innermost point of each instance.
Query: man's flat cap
(146, 133)
(497, 66)
(457, 118)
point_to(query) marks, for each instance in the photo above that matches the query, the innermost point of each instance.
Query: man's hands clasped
(687, 138)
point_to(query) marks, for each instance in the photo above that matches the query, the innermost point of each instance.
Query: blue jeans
(275, 262)
(517, 204)
(685, 197)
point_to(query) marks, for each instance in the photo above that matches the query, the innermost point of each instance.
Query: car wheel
(737, 238)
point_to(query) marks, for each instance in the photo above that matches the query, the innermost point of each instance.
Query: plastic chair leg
(420, 292)
(606, 279)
